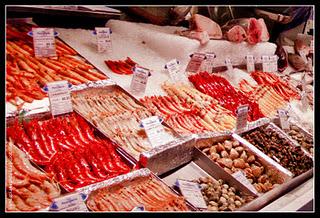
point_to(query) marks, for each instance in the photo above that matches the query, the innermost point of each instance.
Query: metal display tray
(47, 115)
(91, 189)
(113, 87)
(198, 167)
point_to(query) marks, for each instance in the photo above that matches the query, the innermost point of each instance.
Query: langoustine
(26, 74)
(220, 89)
(146, 191)
(182, 110)
(71, 143)
(27, 188)
(117, 115)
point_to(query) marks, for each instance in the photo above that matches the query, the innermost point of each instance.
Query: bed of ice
(152, 47)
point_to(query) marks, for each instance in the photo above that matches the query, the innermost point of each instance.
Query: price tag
(284, 124)
(139, 208)
(155, 131)
(59, 97)
(139, 79)
(209, 62)
(43, 42)
(229, 65)
(242, 117)
(303, 55)
(240, 176)
(103, 39)
(265, 63)
(71, 202)
(250, 63)
(191, 191)
(195, 62)
(174, 71)
(273, 63)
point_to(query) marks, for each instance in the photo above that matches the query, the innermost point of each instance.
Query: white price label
(59, 97)
(103, 39)
(195, 62)
(311, 46)
(191, 191)
(243, 179)
(229, 65)
(284, 124)
(250, 63)
(139, 79)
(43, 42)
(205, 37)
(155, 131)
(174, 71)
(71, 202)
(265, 63)
(273, 63)
(139, 208)
(242, 117)
(209, 62)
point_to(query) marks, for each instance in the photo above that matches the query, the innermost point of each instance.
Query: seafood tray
(124, 193)
(203, 171)
(188, 111)
(79, 148)
(221, 89)
(230, 153)
(116, 114)
(166, 157)
(286, 152)
(28, 187)
(27, 75)
(299, 134)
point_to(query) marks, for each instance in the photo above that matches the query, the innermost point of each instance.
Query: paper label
(265, 63)
(43, 42)
(284, 124)
(240, 176)
(174, 71)
(195, 62)
(273, 63)
(242, 117)
(139, 208)
(71, 202)
(59, 97)
(209, 62)
(155, 131)
(229, 65)
(139, 79)
(192, 192)
(205, 37)
(104, 39)
(250, 63)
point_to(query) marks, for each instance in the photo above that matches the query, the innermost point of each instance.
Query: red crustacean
(220, 89)
(280, 87)
(27, 74)
(121, 67)
(70, 152)
(27, 188)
